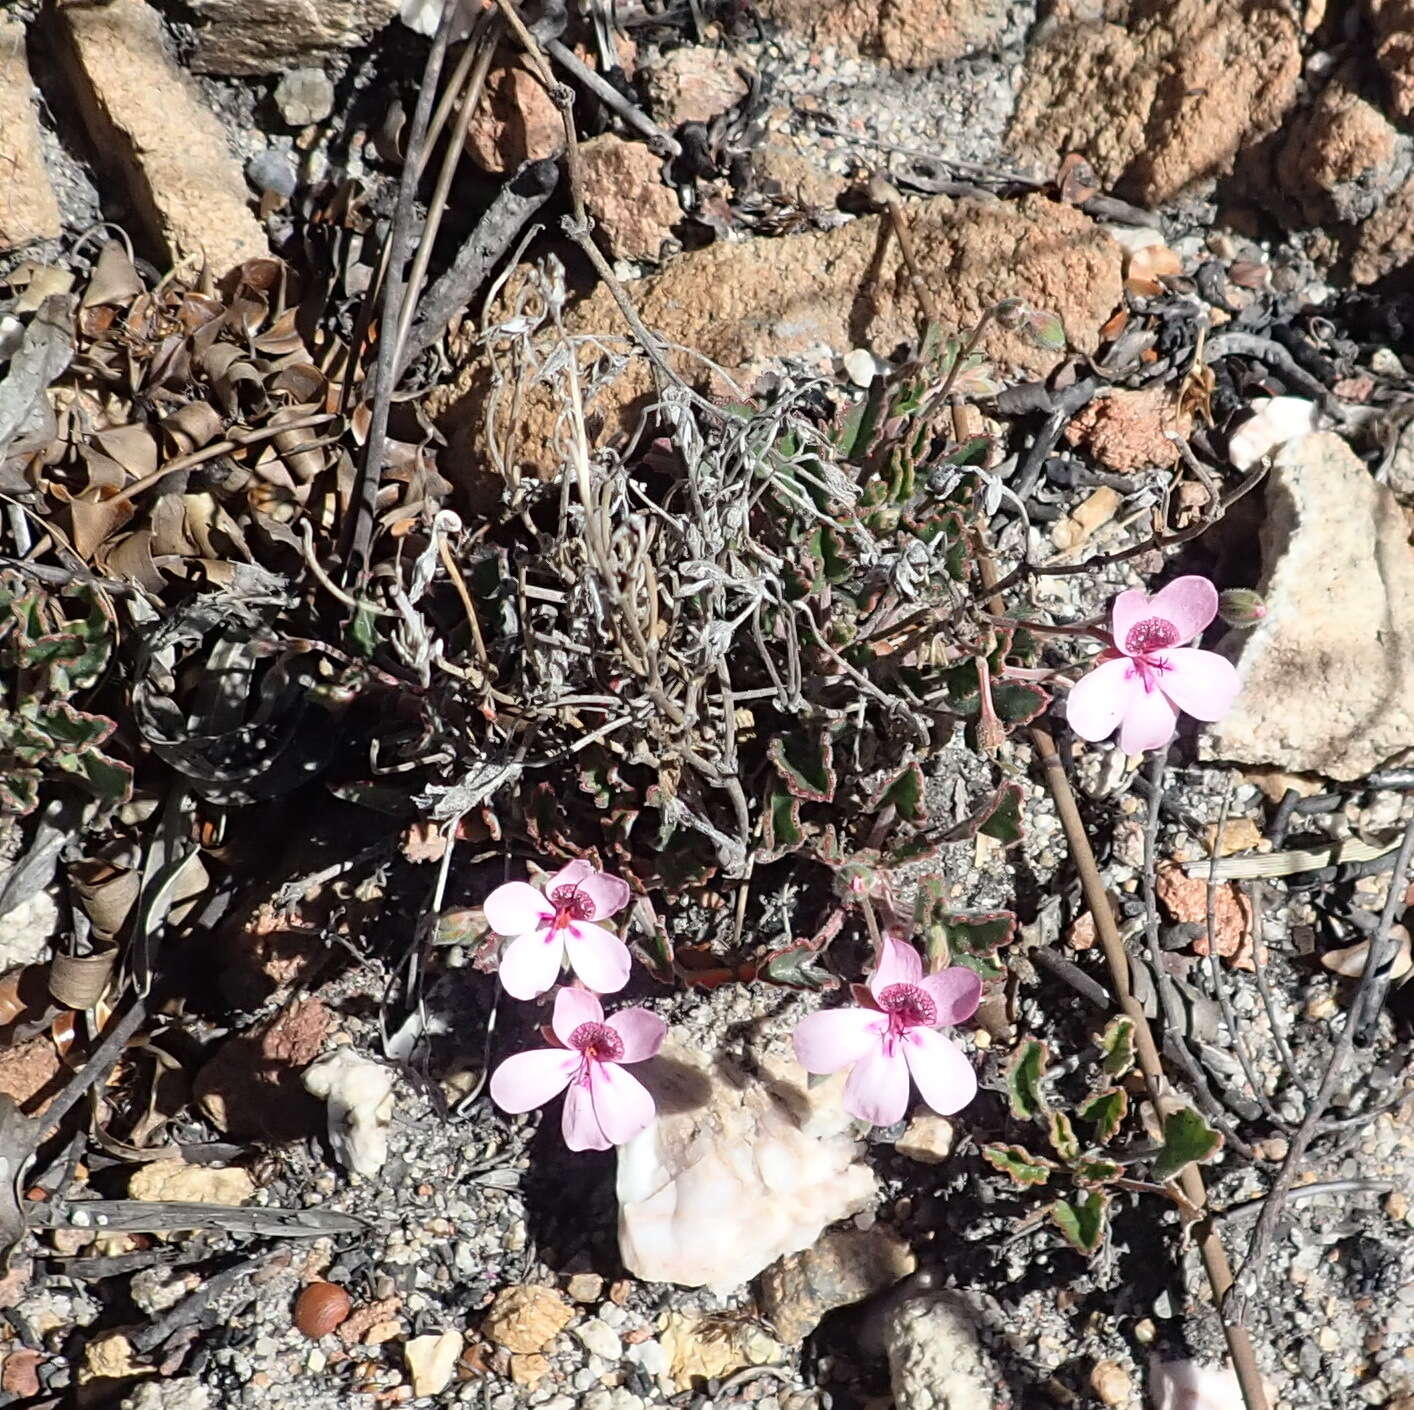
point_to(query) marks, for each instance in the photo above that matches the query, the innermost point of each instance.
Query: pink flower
(545, 928)
(604, 1106)
(893, 1035)
(1149, 675)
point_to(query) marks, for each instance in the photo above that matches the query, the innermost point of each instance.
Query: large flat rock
(1328, 676)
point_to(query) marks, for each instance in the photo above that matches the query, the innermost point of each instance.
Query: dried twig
(1382, 946)
(1214, 1256)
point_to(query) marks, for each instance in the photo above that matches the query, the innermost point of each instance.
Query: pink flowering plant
(604, 1105)
(1152, 673)
(547, 928)
(891, 1036)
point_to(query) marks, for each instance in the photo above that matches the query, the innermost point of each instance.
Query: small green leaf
(972, 940)
(363, 631)
(797, 967)
(1016, 1161)
(1083, 1221)
(1003, 821)
(806, 765)
(1106, 1109)
(1096, 1171)
(1018, 702)
(19, 792)
(1062, 1137)
(1025, 1072)
(781, 829)
(1046, 330)
(1117, 1044)
(110, 779)
(1187, 1138)
(905, 792)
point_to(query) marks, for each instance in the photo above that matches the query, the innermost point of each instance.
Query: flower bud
(1011, 313)
(1241, 607)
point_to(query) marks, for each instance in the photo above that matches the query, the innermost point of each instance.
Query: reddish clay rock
(29, 1073)
(1126, 430)
(28, 209)
(693, 84)
(1338, 157)
(624, 192)
(269, 36)
(515, 121)
(1385, 242)
(1160, 95)
(910, 34)
(779, 167)
(252, 1086)
(817, 295)
(1393, 22)
(148, 120)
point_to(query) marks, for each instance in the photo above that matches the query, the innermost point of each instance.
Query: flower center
(1152, 634)
(598, 1042)
(570, 903)
(907, 1006)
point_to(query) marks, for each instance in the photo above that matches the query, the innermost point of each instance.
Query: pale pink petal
(607, 894)
(944, 1076)
(597, 956)
(1202, 683)
(528, 1080)
(573, 1007)
(1097, 702)
(834, 1038)
(531, 964)
(579, 1123)
(516, 909)
(1128, 610)
(956, 991)
(1149, 721)
(1190, 603)
(571, 874)
(898, 964)
(621, 1102)
(877, 1087)
(642, 1033)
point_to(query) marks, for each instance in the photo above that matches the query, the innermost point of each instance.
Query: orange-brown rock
(814, 296)
(1126, 430)
(623, 190)
(910, 34)
(1393, 22)
(1385, 242)
(515, 121)
(28, 209)
(150, 124)
(1337, 157)
(1160, 95)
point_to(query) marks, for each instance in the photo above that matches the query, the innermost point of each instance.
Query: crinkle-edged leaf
(805, 763)
(1061, 1134)
(830, 552)
(1106, 1110)
(1018, 1162)
(110, 779)
(70, 730)
(1003, 821)
(19, 792)
(797, 966)
(1083, 1221)
(1018, 702)
(970, 939)
(1117, 1045)
(1096, 1171)
(1025, 1072)
(1187, 1138)
(780, 825)
(904, 791)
